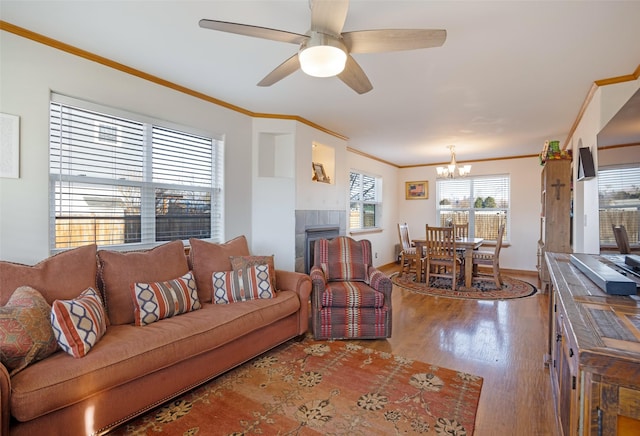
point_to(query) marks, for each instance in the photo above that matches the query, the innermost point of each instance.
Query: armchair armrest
(300, 284)
(380, 282)
(5, 397)
(319, 283)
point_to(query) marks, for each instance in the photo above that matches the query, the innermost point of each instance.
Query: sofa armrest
(5, 397)
(301, 284)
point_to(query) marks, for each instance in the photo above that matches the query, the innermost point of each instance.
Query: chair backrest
(461, 230)
(622, 239)
(441, 242)
(343, 258)
(499, 240)
(403, 232)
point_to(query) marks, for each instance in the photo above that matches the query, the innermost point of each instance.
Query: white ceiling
(510, 75)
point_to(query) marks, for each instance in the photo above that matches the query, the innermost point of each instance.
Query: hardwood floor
(502, 341)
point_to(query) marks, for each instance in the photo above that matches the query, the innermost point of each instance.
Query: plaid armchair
(350, 298)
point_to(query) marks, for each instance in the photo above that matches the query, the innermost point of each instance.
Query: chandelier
(449, 172)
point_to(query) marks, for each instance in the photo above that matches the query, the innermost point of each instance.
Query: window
(482, 201)
(619, 201)
(364, 197)
(120, 179)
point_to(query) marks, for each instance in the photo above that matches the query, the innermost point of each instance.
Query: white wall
(606, 102)
(29, 71)
(273, 211)
(383, 242)
(618, 155)
(521, 251)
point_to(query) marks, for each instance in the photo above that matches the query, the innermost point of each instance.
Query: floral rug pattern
(318, 388)
(480, 290)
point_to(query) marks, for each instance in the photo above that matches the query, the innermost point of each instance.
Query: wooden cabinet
(555, 214)
(595, 355)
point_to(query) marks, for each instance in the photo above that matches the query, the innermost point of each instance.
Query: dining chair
(489, 258)
(442, 259)
(461, 230)
(409, 258)
(622, 239)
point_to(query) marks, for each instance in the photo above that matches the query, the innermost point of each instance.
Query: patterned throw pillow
(26, 335)
(79, 323)
(239, 263)
(252, 284)
(155, 301)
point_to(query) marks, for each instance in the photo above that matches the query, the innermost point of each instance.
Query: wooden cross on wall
(557, 185)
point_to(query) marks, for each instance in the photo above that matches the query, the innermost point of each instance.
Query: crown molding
(28, 34)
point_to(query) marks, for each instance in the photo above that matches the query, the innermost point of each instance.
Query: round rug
(480, 290)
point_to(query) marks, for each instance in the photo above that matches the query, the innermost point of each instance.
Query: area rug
(318, 388)
(480, 290)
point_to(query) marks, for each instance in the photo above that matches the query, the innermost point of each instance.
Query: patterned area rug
(480, 290)
(318, 388)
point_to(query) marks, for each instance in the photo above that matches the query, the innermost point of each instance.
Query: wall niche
(323, 163)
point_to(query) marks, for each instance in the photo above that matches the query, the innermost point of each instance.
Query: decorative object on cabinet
(594, 341)
(319, 175)
(416, 190)
(555, 217)
(551, 151)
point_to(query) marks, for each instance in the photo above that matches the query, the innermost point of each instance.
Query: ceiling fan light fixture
(322, 56)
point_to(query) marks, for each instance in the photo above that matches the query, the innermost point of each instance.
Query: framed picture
(416, 190)
(319, 174)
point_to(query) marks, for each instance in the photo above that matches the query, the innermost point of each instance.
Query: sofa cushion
(128, 352)
(79, 323)
(239, 263)
(118, 271)
(246, 284)
(207, 257)
(62, 276)
(155, 301)
(25, 329)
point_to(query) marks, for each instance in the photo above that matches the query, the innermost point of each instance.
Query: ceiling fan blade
(376, 41)
(354, 77)
(328, 16)
(255, 31)
(286, 68)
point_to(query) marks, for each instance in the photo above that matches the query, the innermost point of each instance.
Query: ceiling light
(449, 172)
(322, 56)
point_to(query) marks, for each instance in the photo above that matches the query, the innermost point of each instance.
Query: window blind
(482, 201)
(121, 180)
(364, 203)
(619, 201)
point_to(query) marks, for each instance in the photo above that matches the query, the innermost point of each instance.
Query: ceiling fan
(325, 50)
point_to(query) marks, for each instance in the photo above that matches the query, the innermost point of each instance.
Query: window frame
(471, 209)
(605, 236)
(377, 202)
(145, 183)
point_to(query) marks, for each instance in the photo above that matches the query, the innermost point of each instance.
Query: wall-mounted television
(586, 168)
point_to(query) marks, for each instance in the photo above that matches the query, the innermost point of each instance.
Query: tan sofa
(133, 368)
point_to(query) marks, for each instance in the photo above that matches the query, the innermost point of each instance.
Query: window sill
(365, 231)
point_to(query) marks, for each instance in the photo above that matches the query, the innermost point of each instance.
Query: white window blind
(619, 201)
(122, 179)
(481, 201)
(364, 200)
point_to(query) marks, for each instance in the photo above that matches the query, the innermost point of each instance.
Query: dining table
(467, 244)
